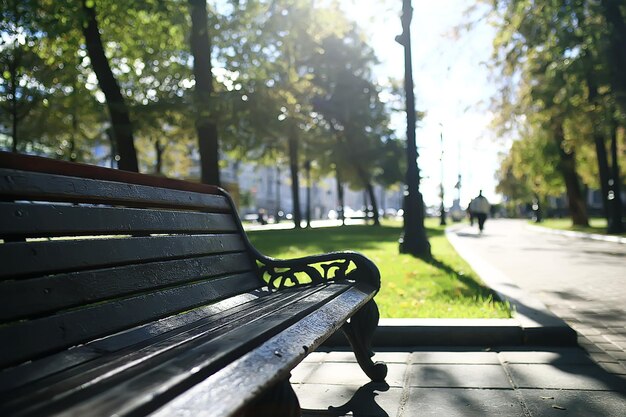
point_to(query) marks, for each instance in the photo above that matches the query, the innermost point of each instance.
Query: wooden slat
(213, 322)
(22, 185)
(167, 375)
(22, 299)
(27, 259)
(35, 220)
(215, 396)
(51, 166)
(55, 364)
(37, 337)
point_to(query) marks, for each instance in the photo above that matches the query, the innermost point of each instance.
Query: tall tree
(120, 118)
(568, 56)
(208, 143)
(20, 93)
(349, 102)
(272, 56)
(537, 47)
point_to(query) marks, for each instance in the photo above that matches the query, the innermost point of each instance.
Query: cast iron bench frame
(169, 311)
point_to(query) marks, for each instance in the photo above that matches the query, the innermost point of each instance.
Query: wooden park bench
(126, 294)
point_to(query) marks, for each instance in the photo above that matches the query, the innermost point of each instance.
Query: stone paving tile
(564, 403)
(619, 355)
(456, 357)
(458, 376)
(387, 357)
(575, 377)
(609, 347)
(315, 357)
(351, 374)
(597, 339)
(451, 402)
(614, 368)
(601, 357)
(302, 371)
(392, 357)
(586, 330)
(370, 400)
(589, 346)
(570, 356)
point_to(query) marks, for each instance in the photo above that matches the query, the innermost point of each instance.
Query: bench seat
(125, 294)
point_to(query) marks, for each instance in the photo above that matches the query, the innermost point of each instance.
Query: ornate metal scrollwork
(317, 269)
(279, 276)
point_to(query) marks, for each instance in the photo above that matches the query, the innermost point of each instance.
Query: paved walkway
(489, 382)
(582, 281)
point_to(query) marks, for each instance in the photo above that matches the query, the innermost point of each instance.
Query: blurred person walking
(479, 207)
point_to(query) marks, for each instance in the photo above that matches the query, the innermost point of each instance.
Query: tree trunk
(617, 49)
(277, 210)
(208, 143)
(599, 141)
(295, 183)
(340, 210)
(14, 115)
(603, 169)
(615, 220)
(159, 149)
(307, 168)
(120, 118)
(370, 191)
(14, 64)
(567, 167)
(369, 188)
(110, 136)
(73, 157)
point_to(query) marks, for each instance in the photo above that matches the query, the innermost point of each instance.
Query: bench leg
(360, 332)
(278, 400)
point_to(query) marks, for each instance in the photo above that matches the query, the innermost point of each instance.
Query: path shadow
(605, 253)
(465, 234)
(362, 404)
(568, 295)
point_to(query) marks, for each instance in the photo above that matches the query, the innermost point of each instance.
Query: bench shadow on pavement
(362, 404)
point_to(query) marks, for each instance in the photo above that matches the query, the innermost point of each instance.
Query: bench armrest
(310, 270)
(316, 269)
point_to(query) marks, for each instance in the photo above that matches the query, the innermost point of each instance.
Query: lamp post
(413, 239)
(277, 210)
(442, 221)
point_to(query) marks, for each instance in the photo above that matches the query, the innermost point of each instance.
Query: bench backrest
(88, 251)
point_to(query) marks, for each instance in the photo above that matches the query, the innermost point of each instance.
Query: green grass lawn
(596, 225)
(444, 287)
